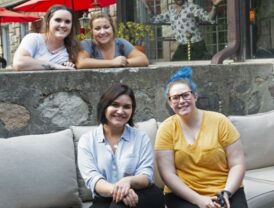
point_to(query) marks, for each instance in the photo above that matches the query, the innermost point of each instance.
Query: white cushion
(257, 136)
(38, 171)
(265, 175)
(259, 194)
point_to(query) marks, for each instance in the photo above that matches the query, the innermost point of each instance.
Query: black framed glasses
(176, 98)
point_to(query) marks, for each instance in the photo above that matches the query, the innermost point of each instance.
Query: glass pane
(262, 30)
(214, 36)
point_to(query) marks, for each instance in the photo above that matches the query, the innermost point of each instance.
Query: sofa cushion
(38, 171)
(87, 204)
(84, 193)
(149, 126)
(265, 175)
(257, 132)
(259, 194)
(259, 187)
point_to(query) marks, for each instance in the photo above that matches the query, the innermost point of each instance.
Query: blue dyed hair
(183, 75)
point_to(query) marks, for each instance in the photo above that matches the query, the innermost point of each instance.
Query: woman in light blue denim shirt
(115, 159)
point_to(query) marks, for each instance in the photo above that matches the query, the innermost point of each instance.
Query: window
(6, 43)
(261, 33)
(24, 29)
(164, 45)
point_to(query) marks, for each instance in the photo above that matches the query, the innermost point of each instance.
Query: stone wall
(47, 101)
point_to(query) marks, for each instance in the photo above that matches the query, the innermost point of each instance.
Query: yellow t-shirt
(202, 165)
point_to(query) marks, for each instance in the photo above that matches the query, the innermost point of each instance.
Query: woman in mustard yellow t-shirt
(198, 152)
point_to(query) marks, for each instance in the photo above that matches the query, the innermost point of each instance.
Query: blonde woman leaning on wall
(104, 50)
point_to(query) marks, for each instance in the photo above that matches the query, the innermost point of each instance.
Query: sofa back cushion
(257, 136)
(149, 126)
(84, 193)
(38, 171)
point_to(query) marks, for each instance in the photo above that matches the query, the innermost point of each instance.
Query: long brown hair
(71, 44)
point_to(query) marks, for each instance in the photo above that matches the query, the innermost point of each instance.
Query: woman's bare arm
(23, 61)
(137, 58)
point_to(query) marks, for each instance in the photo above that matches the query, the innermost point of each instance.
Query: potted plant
(135, 33)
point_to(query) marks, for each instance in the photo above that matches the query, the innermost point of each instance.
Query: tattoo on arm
(48, 67)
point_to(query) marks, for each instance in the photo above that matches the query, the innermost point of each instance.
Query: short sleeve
(86, 45)
(164, 136)
(228, 133)
(31, 42)
(123, 47)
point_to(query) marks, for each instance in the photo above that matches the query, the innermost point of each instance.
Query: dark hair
(183, 75)
(3, 62)
(175, 1)
(71, 44)
(108, 97)
(102, 15)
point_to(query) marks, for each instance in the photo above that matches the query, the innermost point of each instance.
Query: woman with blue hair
(198, 152)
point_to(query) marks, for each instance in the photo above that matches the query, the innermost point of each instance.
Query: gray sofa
(40, 171)
(257, 135)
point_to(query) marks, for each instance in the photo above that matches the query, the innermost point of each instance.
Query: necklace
(55, 50)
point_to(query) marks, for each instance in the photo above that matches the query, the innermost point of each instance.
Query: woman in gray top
(55, 48)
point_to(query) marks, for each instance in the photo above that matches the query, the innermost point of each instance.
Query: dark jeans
(198, 52)
(151, 197)
(238, 200)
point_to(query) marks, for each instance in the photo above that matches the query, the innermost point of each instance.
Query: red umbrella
(10, 16)
(75, 5)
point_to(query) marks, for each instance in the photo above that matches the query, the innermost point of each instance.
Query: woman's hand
(121, 189)
(208, 202)
(226, 197)
(65, 66)
(131, 199)
(69, 65)
(120, 61)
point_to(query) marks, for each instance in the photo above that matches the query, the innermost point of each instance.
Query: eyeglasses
(176, 98)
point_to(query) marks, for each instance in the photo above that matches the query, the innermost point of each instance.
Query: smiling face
(102, 30)
(60, 24)
(119, 111)
(184, 99)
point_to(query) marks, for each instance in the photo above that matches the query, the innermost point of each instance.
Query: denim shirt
(96, 160)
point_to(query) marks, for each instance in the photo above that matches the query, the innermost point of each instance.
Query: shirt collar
(101, 137)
